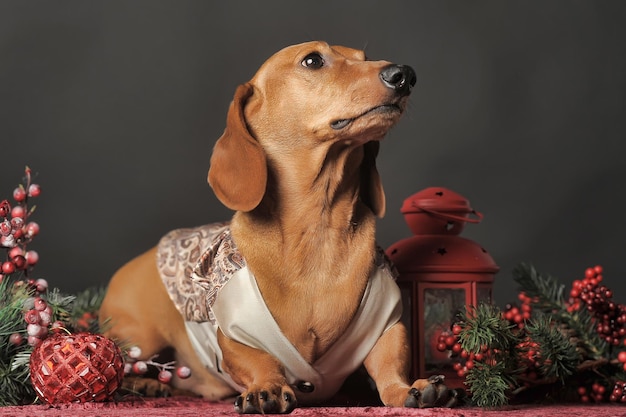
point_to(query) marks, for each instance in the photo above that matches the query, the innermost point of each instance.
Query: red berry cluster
(597, 392)
(133, 365)
(15, 229)
(39, 317)
(449, 340)
(518, 315)
(590, 293)
(618, 395)
(531, 361)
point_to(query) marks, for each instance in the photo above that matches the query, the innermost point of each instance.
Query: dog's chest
(212, 287)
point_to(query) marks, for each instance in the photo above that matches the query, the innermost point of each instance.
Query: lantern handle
(448, 216)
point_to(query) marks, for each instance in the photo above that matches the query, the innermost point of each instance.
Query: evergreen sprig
(489, 385)
(559, 357)
(548, 294)
(483, 326)
(484, 330)
(15, 385)
(548, 297)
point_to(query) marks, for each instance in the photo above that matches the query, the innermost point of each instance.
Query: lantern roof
(441, 253)
(438, 199)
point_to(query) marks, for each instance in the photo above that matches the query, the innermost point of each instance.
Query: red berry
(32, 317)
(16, 224)
(16, 251)
(41, 285)
(32, 257)
(17, 211)
(622, 356)
(34, 329)
(19, 261)
(40, 304)
(5, 228)
(8, 267)
(16, 339)
(45, 317)
(19, 194)
(5, 208)
(34, 190)
(32, 229)
(140, 367)
(598, 269)
(134, 352)
(450, 341)
(165, 376)
(456, 329)
(441, 347)
(183, 372)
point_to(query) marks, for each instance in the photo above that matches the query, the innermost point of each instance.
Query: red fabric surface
(180, 406)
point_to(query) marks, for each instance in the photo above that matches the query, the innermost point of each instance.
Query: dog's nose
(401, 78)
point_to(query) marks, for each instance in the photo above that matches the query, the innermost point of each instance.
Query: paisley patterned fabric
(194, 264)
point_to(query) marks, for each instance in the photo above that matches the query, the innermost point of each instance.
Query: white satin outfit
(211, 286)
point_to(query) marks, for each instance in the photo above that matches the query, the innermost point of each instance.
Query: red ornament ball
(82, 367)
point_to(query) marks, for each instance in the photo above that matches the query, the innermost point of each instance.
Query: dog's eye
(313, 61)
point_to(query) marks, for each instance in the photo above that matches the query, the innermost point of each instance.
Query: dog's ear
(372, 193)
(238, 171)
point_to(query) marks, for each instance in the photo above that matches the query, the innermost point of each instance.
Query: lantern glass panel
(441, 305)
(483, 294)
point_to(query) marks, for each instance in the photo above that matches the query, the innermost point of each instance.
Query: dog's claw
(239, 404)
(412, 400)
(290, 402)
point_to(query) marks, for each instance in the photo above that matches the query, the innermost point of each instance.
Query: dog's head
(303, 102)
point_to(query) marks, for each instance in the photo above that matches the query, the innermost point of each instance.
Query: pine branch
(558, 356)
(547, 293)
(485, 326)
(15, 385)
(488, 385)
(547, 296)
(486, 331)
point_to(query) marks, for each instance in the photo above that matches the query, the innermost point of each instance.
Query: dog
(278, 306)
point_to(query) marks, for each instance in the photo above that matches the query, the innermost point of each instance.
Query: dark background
(519, 106)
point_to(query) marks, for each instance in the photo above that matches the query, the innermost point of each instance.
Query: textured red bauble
(80, 367)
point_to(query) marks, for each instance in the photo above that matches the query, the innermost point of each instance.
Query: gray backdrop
(519, 107)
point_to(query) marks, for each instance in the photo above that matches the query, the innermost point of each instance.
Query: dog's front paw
(431, 392)
(276, 400)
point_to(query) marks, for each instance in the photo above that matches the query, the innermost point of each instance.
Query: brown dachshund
(291, 296)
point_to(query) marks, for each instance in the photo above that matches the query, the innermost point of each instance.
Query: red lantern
(441, 273)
